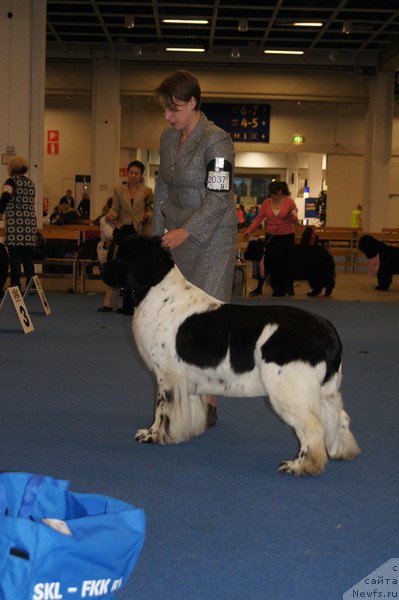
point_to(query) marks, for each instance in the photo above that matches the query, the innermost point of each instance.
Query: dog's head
(140, 263)
(369, 245)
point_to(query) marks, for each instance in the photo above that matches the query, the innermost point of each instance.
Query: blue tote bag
(56, 544)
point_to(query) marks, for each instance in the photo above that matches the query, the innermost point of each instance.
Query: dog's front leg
(158, 432)
(178, 415)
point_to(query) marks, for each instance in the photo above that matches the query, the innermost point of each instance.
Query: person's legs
(15, 265)
(27, 261)
(110, 299)
(258, 290)
(4, 262)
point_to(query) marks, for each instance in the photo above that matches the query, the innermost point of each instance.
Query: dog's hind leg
(340, 442)
(294, 393)
(178, 415)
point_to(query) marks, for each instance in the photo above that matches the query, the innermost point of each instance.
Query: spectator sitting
(84, 206)
(67, 215)
(55, 215)
(250, 216)
(68, 199)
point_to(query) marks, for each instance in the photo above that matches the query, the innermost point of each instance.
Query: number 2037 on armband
(218, 181)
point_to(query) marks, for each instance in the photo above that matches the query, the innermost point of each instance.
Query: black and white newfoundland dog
(311, 263)
(197, 345)
(388, 255)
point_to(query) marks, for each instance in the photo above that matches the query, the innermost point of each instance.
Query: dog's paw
(307, 466)
(290, 466)
(147, 436)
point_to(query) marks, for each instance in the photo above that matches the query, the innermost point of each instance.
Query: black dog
(311, 263)
(197, 345)
(388, 255)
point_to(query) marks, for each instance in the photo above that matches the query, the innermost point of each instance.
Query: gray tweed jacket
(182, 199)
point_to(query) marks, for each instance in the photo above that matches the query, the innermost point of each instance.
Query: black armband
(219, 175)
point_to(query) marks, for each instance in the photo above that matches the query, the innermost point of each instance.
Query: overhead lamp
(243, 25)
(347, 27)
(187, 21)
(235, 53)
(283, 52)
(129, 22)
(180, 49)
(307, 24)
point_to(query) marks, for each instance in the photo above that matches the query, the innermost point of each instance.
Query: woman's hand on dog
(174, 238)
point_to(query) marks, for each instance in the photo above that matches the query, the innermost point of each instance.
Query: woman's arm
(7, 194)
(218, 199)
(258, 219)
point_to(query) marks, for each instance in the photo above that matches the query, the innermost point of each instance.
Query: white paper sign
(20, 307)
(42, 296)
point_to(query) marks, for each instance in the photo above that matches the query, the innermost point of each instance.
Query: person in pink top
(280, 213)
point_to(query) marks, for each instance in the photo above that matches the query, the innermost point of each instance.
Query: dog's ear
(147, 261)
(114, 273)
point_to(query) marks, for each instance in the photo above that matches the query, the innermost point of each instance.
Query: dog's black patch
(300, 336)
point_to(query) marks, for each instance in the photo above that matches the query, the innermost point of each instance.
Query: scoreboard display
(244, 122)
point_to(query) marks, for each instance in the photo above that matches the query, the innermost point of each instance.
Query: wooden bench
(341, 242)
(83, 264)
(68, 262)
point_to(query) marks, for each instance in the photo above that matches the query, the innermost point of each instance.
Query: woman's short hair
(138, 164)
(17, 165)
(279, 186)
(181, 86)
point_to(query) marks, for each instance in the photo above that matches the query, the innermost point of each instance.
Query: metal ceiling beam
(103, 24)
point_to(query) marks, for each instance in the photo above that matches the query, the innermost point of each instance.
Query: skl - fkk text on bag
(59, 544)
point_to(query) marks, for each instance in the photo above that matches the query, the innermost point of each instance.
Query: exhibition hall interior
(270, 468)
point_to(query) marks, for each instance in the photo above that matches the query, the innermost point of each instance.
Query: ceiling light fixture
(187, 21)
(347, 27)
(176, 49)
(129, 22)
(283, 52)
(243, 25)
(235, 53)
(307, 24)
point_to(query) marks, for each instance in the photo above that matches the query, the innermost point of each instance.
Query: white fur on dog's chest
(160, 314)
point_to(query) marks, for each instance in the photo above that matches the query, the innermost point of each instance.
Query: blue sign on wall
(310, 208)
(244, 122)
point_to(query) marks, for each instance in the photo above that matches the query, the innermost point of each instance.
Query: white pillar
(292, 173)
(378, 149)
(315, 174)
(22, 76)
(105, 133)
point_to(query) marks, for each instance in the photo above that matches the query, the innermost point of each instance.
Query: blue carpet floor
(222, 523)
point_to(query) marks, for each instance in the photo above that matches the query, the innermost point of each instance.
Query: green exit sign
(298, 139)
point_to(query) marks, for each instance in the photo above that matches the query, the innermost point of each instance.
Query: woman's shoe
(255, 293)
(104, 308)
